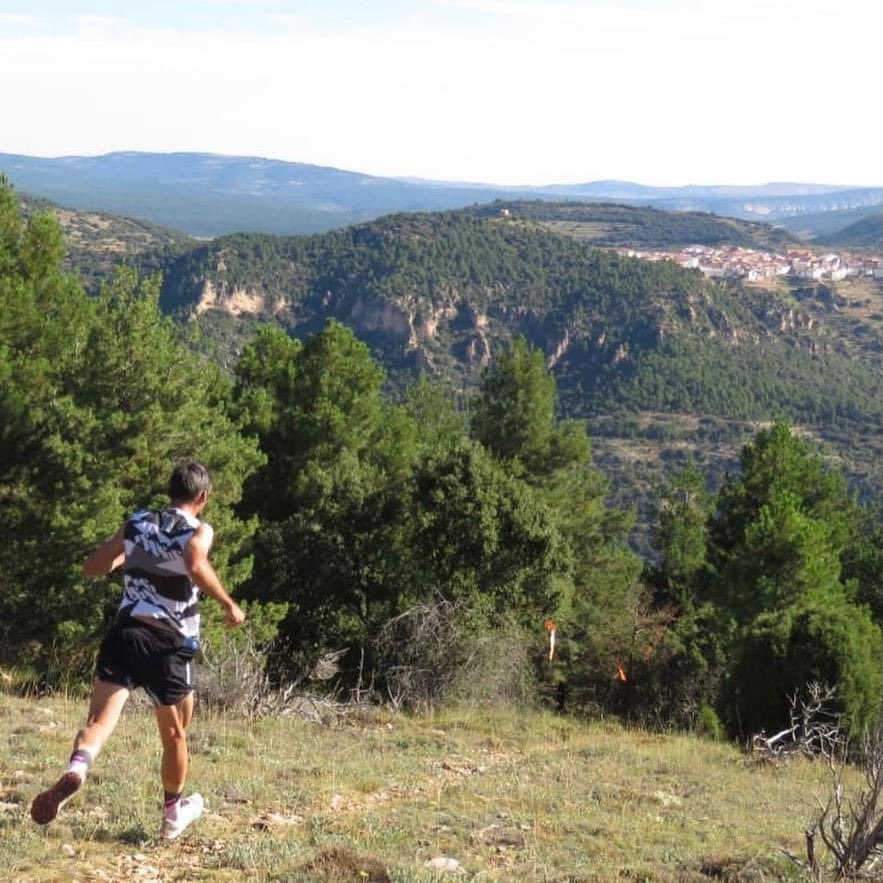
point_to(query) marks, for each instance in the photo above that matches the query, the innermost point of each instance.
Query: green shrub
(828, 641)
(708, 724)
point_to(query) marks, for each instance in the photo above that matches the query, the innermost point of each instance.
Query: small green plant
(708, 724)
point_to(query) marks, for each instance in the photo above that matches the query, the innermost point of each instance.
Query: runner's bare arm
(204, 575)
(107, 557)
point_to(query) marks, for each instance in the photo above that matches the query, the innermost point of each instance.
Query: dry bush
(415, 653)
(848, 828)
(432, 653)
(233, 679)
(495, 669)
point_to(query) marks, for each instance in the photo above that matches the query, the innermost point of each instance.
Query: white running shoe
(175, 819)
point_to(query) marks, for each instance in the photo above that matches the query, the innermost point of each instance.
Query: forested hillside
(865, 233)
(676, 367)
(665, 364)
(417, 548)
(442, 292)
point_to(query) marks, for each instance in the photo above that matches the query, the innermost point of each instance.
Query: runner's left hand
(234, 615)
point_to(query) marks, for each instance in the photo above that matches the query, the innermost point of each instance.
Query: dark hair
(188, 481)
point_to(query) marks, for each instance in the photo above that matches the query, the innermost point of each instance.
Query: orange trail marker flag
(551, 628)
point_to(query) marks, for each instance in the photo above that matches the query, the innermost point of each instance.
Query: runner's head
(190, 484)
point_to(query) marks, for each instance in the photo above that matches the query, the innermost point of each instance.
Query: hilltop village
(753, 265)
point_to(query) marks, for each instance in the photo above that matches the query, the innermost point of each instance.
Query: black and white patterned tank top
(157, 587)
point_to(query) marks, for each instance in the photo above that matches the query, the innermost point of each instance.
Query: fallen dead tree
(815, 729)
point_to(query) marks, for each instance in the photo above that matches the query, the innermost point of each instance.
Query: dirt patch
(337, 864)
(730, 868)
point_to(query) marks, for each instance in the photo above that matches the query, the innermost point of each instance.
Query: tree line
(340, 510)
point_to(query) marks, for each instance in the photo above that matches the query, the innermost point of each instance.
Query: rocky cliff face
(460, 324)
(371, 314)
(235, 301)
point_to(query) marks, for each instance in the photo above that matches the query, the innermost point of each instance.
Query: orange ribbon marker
(551, 628)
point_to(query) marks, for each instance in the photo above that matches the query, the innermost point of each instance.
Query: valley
(665, 364)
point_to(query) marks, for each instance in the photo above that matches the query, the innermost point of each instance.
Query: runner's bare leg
(105, 707)
(172, 721)
(185, 709)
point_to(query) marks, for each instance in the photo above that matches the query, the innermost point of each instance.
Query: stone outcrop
(476, 319)
(557, 350)
(478, 351)
(792, 319)
(236, 302)
(374, 314)
(426, 324)
(399, 320)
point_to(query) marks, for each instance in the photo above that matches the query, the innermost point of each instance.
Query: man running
(153, 640)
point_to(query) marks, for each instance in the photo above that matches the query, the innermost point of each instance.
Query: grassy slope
(98, 242)
(527, 797)
(639, 226)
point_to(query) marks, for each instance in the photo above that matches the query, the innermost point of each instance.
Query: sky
(499, 91)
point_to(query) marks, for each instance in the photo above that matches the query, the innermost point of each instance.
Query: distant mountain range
(208, 194)
(817, 226)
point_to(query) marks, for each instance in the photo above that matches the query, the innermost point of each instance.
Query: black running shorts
(134, 655)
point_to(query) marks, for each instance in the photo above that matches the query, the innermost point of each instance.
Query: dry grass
(511, 796)
(587, 231)
(864, 297)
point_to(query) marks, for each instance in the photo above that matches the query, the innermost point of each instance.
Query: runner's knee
(173, 733)
(171, 729)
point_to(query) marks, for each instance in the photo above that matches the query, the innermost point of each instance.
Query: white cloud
(540, 93)
(11, 18)
(237, 2)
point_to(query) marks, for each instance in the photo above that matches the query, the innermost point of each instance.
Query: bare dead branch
(851, 827)
(815, 729)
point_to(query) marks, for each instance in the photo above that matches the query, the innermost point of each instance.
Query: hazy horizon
(451, 181)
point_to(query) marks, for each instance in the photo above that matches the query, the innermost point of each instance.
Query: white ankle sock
(80, 761)
(79, 767)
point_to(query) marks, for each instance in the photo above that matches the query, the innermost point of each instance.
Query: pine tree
(100, 399)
